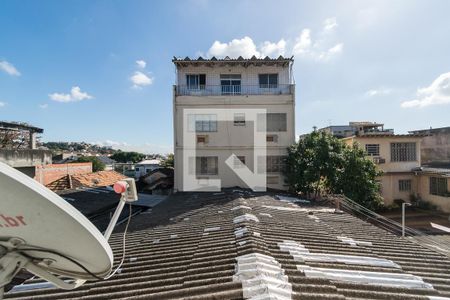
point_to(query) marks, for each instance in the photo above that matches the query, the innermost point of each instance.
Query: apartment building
(207, 88)
(356, 128)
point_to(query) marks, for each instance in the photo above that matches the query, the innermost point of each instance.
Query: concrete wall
(390, 187)
(46, 174)
(25, 158)
(436, 147)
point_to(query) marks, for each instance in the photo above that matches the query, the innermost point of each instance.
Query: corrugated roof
(174, 254)
(227, 60)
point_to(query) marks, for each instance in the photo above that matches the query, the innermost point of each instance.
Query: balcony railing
(234, 90)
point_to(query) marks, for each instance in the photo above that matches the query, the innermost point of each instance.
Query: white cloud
(43, 106)
(147, 148)
(378, 92)
(322, 48)
(139, 79)
(329, 24)
(438, 93)
(2, 104)
(141, 64)
(9, 68)
(75, 95)
(273, 49)
(244, 47)
(303, 43)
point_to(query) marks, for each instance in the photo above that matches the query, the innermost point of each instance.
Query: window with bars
(438, 186)
(373, 149)
(274, 163)
(206, 165)
(239, 162)
(239, 119)
(268, 81)
(404, 185)
(196, 81)
(230, 84)
(403, 152)
(202, 123)
(274, 122)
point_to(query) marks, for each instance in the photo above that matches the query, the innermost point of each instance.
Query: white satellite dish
(41, 232)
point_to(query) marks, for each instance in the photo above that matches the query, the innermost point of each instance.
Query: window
(268, 81)
(404, 185)
(137, 169)
(239, 119)
(202, 139)
(438, 186)
(196, 81)
(373, 149)
(403, 151)
(230, 84)
(276, 122)
(202, 123)
(239, 162)
(272, 138)
(272, 179)
(273, 163)
(206, 165)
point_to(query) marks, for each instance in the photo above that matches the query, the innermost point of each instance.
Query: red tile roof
(96, 179)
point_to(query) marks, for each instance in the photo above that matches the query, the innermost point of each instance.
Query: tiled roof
(240, 246)
(95, 179)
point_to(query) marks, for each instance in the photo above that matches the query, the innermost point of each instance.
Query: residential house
(356, 128)
(397, 156)
(146, 166)
(109, 162)
(236, 86)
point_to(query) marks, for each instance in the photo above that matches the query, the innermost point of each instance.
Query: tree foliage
(320, 163)
(97, 164)
(168, 162)
(124, 157)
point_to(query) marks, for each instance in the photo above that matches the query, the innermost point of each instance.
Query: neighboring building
(397, 156)
(49, 173)
(356, 128)
(435, 146)
(146, 166)
(109, 163)
(233, 84)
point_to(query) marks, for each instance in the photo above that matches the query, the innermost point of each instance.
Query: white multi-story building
(234, 85)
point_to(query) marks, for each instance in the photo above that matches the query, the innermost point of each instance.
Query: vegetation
(97, 164)
(168, 162)
(321, 164)
(124, 157)
(58, 147)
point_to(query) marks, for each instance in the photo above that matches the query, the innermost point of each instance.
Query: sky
(101, 71)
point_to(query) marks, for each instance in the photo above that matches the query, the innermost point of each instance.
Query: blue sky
(71, 67)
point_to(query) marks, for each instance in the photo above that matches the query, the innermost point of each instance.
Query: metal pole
(115, 217)
(403, 219)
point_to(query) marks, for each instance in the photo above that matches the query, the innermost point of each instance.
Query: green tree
(97, 164)
(320, 163)
(168, 162)
(125, 157)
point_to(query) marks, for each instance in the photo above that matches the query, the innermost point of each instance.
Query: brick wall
(46, 174)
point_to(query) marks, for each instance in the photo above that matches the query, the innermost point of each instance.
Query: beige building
(235, 85)
(397, 156)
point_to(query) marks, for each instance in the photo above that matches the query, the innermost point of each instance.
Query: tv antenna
(42, 233)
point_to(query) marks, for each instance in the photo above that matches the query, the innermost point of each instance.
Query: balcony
(234, 90)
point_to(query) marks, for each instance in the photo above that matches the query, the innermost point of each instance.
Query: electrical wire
(78, 263)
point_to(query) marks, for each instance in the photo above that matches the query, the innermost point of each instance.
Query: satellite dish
(41, 232)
